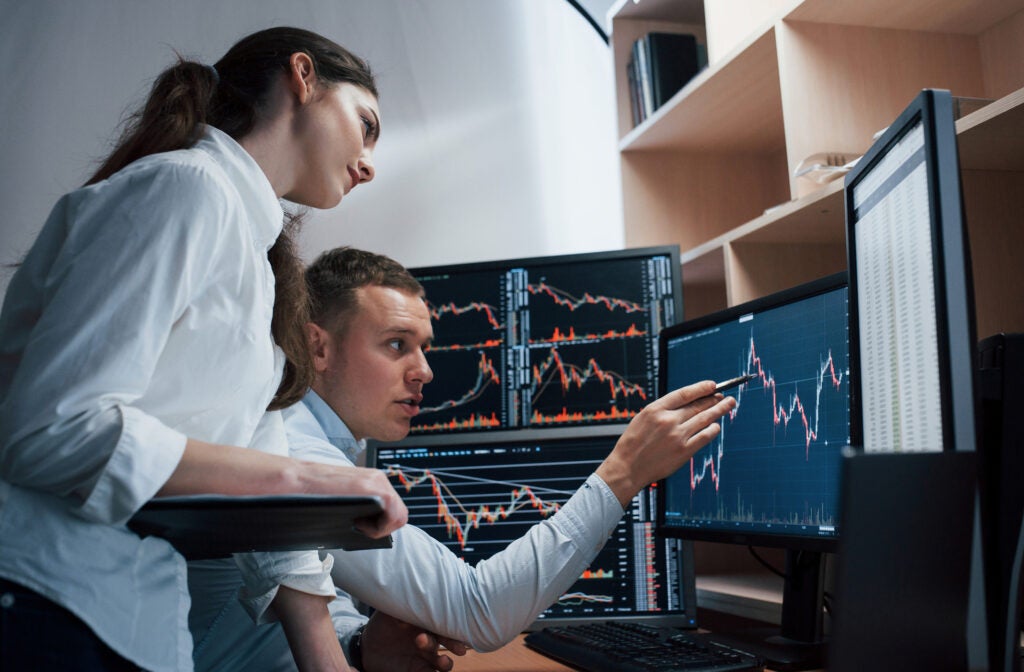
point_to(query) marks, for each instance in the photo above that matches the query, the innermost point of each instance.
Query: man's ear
(320, 346)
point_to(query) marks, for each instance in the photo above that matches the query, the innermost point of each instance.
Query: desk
(513, 657)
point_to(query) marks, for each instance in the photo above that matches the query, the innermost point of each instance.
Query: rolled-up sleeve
(264, 573)
(89, 314)
(422, 582)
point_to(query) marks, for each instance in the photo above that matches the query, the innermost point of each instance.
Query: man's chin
(393, 434)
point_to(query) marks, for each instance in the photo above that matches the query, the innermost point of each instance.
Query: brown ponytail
(231, 96)
(291, 312)
(172, 117)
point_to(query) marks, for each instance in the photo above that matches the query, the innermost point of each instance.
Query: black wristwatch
(355, 648)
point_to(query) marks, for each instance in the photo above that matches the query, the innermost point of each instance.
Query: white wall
(498, 117)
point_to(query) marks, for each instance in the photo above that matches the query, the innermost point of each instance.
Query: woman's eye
(368, 127)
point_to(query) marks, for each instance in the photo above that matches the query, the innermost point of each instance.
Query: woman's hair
(332, 281)
(232, 95)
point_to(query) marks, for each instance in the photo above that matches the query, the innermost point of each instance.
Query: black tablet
(213, 526)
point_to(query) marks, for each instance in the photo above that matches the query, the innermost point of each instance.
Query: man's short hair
(336, 275)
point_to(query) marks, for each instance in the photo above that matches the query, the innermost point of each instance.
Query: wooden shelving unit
(712, 169)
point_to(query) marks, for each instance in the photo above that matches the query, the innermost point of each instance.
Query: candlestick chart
(477, 496)
(466, 310)
(588, 383)
(466, 354)
(469, 393)
(775, 462)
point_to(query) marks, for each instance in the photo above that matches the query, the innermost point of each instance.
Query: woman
(137, 360)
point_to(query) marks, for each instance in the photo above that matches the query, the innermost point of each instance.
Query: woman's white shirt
(141, 316)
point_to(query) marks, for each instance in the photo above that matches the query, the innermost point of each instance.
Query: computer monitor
(911, 296)
(546, 341)
(476, 493)
(771, 477)
(912, 308)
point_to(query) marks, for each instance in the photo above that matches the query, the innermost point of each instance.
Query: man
(368, 335)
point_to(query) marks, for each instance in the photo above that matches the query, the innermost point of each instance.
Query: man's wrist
(617, 478)
(355, 648)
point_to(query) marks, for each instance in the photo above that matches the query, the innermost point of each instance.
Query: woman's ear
(301, 76)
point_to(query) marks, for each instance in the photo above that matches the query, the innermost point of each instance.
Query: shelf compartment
(759, 269)
(796, 242)
(688, 199)
(816, 218)
(992, 138)
(732, 106)
(833, 102)
(704, 284)
(993, 203)
(967, 18)
(677, 11)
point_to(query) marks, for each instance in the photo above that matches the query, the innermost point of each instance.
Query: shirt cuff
(590, 515)
(146, 454)
(264, 573)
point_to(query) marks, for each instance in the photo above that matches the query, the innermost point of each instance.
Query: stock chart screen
(546, 342)
(477, 497)
(774, 468)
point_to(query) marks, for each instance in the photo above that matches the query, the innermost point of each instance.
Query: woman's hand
(207, 468)
(663, 437)
(336, 480)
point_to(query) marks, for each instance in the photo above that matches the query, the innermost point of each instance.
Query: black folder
(214, 526)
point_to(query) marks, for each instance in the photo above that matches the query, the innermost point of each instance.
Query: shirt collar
(262, 206)
(335, 429)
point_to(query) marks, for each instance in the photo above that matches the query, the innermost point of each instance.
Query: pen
(733, 382)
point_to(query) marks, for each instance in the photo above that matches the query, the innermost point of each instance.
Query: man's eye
(395, 345)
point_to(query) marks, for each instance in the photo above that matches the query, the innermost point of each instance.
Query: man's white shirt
(421, 581)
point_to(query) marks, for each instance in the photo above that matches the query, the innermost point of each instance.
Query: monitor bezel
(671, 251)
(687, 619)
(577, 257)
(954, 294)
(787, 540)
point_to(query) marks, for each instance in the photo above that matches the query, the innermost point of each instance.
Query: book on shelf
(660, 65)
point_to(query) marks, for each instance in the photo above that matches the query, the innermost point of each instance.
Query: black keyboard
(636, 647)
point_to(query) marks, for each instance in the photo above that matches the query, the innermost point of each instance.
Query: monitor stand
(798, 644)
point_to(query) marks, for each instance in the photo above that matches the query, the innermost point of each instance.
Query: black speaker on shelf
(1001, 486)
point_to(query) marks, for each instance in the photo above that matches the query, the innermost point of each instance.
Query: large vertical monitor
(912, 308)
(771, 477)
(910, 287)
(476, 493)
(546, 341)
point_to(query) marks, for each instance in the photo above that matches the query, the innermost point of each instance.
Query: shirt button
(6, 600)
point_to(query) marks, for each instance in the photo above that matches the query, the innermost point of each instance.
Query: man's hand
(391, 645)
(663, 436)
